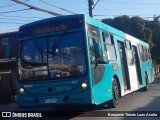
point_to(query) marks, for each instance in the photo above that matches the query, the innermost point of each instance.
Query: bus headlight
(84, 85)
(21, 90)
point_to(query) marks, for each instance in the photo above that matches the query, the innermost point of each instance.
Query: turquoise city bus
(77, 60)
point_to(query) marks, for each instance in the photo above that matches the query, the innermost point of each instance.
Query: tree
(138, 26)
(148, 36)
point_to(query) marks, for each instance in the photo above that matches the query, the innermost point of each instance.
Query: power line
(122, 15)
(95, 4)
(145, 17)
(81, 7)
(14, 19)
(10, 5)
(57, 7)
(90, 4)
(7, 5)
(12, 23)
(36, 8)
(123, 8)
(15, 11)
(131, 3)
(19, 16)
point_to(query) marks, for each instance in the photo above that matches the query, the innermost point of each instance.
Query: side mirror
(101, 62)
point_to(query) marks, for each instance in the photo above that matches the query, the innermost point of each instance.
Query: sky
(13, 15)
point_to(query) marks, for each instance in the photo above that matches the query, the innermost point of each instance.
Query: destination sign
(51, 25)
(50, 29)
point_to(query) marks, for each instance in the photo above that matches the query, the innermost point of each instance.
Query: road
(136, 101)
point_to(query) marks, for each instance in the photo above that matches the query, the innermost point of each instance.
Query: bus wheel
(147, 83)
(115, 93)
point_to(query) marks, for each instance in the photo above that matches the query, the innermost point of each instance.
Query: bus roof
(51, 19)
(89, 20)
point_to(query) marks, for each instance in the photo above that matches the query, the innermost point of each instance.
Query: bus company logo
(6, 114)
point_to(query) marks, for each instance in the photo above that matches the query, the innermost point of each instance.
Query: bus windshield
(52, 57)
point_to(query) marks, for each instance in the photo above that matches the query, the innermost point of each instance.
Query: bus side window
(130, 54)
(141, 52)
(91, 49)
(95, 45)
(95, 50)
(148, 58)
(146, 54)
(128, 44)
(149, 54)
(109, 46)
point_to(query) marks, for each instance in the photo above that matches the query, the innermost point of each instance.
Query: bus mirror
(101, 62)
(96, 63)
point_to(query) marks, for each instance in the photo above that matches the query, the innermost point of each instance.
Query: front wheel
(115, 94)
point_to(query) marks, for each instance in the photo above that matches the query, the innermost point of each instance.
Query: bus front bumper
(83, 97)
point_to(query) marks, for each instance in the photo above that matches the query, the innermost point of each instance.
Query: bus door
(131, 66)
(137, 64)
(124, 65)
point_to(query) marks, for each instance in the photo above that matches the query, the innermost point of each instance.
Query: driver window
(109, 48)
(95, 50)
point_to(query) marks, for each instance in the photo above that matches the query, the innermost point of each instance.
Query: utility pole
(36, 8)
(90, 2)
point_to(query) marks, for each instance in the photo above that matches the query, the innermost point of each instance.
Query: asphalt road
(137, 101)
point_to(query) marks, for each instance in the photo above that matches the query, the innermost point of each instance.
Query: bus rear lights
(21, 90)
(84, 85)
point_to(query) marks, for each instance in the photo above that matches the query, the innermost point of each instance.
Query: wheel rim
(116, 91)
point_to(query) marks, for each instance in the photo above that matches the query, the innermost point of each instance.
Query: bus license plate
(52, 100)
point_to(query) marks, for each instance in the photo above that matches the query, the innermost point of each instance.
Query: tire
(147, 83)
(115, 93)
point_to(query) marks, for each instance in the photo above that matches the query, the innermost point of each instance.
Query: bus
(77, 60)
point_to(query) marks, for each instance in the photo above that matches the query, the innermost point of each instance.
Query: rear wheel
(115, 93)
(147, 83)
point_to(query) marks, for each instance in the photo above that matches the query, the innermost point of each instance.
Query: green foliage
(148, 31)
(138, 25)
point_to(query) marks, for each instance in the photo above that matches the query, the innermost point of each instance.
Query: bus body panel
(100, 96)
